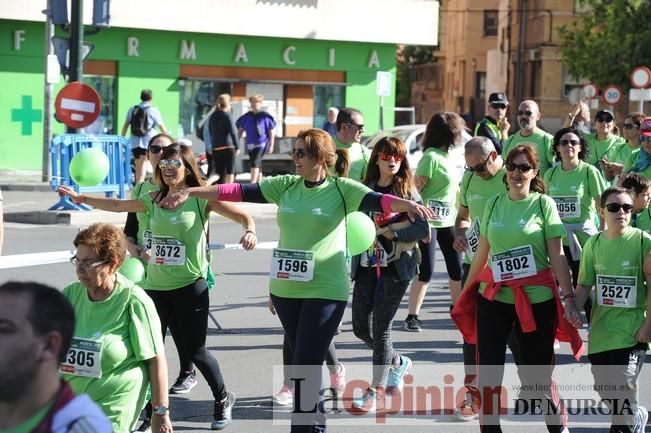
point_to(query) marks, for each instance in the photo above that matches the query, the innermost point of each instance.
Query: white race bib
(167, 251)
(371, 258)
(472, 237)
(147, 239)
(83, 358)
(568, 206)
(442, 210)
(513, 264)
(616, 291)
(292, 265)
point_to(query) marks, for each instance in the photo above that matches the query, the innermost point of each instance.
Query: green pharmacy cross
(26, 115)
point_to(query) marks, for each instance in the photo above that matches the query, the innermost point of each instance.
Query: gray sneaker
(184, 383)
(222, 415)
(413, 324)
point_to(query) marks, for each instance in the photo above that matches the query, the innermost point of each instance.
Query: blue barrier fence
(64, 147)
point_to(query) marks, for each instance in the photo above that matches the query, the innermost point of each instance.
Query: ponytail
(342, 164)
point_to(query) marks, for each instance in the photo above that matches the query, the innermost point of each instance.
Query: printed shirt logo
(286, 209)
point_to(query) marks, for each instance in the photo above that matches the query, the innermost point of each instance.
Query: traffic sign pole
(76, 44)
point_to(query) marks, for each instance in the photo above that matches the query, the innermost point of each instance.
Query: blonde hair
(223, 100)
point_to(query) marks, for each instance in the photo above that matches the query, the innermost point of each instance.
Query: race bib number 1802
(515, 263)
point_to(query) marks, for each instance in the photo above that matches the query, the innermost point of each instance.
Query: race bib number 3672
(83, 358)
(293, 265)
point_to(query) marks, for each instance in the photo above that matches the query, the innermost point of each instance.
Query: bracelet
(250, 231)
(569, 296)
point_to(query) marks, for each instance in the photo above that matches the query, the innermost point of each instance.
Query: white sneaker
(285, 396)
(641, 417)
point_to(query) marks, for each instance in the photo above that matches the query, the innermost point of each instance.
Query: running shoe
(338, 378)
(396, 377)
(145, 427)
(641, 417)
(285, 396)
(466, 410)
(223, 413)
(413, 324)
(366, 403)
(184, 383)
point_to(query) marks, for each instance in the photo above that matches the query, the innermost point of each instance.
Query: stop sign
(77, 105)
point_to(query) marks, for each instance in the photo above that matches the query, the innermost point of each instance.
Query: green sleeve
(144, 329)
(506, 147)
(596, 182)
(630, 161)
(274, 187)
(465, 183)
(553, 224)
(426, 165)
(353, 192)
(586, 268)
(147, 202)
(547, 177)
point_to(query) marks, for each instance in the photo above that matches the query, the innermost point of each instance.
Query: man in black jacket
(495, 125)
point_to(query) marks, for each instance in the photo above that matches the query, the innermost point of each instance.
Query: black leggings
(373, 312)
(185, 312)
(310, 325)
(331, 361)
(444, 237)
(495, 321)
(223, 161)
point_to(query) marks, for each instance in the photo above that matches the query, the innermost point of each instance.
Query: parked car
(412, 135)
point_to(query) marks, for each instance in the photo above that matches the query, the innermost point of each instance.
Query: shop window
(324, 98)
(480, 85)
(490, 23)
(106, 123)
(197, 98)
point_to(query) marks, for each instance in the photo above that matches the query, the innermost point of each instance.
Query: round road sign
(641, 77)
(590, 90)
(612, 94)
(77, 105)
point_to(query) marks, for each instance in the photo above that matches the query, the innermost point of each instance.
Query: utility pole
(76, 45)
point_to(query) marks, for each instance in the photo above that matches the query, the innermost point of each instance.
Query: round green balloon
(134, 270)
(360, 231)
(89, 166)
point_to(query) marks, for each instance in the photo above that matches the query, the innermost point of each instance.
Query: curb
(40, 187)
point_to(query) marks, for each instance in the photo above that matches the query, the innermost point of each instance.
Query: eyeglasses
(527, 113)
(499, 106)
(388, 156)
(164, 164)
(155, 148)
(644, 138)
(616, 207)
(359, 127)
(85, 264)
(631, 126)
(298, 153)
(479, 168)
(603, 119)
(523, 168)
(566, 142)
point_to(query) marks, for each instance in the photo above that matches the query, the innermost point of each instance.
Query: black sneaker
(222, 415)
(413, 324)
(145, 427)
(184, 383)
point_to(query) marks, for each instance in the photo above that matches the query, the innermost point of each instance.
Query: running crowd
(532, 225)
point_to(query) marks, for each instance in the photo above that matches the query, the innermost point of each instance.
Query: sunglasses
(523, 168)
(644, 138)
(631, 126)
(499, 106)
(389, 156)
(155, 148)
(527, 113)
(359, 127)
(298, 153)
(604, 119)
(164, 164)
(615, 207)
(566, 142)
(479, 168)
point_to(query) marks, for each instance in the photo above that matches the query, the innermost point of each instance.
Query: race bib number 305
(293, 265)
(513, 264)
(616, 291)
(568, 206)
(442, 209)
(167, 251)
(83, 358)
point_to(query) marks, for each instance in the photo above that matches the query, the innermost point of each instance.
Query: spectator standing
(259, 128)
(330, 125)
(221, 141)
(495, 125)
(350, 126)
(142, 120)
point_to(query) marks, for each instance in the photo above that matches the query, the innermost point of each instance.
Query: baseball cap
(604, 113)
(645, 128)
(498, 98)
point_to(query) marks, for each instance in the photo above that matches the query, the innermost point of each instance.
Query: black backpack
(139, 121)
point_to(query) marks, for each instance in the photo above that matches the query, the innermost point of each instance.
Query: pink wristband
(230, 192)
(385, 202)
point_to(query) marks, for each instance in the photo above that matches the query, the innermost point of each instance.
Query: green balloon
(89, 166)
(133, 269)
(360, 231)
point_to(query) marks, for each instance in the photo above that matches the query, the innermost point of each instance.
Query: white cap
(185, 142)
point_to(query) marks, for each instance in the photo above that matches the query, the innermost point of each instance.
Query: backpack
(139, 121)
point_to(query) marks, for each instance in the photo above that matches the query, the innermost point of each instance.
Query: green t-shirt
(128, 328)
(509, 225)
(642, 220)
(600, 149)
(440, 191)
(574, 192)
(311, 222)
(32, 422)
(144, 234)
(474, 194)
(178, 253)
(621, 153)
(615, 266)
(541, 141)
(358, 157)
(632, 159)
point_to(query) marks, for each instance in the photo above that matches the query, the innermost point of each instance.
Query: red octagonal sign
(77, 105)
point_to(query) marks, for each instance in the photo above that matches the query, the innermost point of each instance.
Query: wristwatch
(161, 410)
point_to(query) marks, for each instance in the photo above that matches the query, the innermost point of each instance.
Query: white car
(412, 136)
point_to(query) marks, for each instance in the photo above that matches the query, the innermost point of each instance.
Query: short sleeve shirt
(154, 120)
(258, 127)
(312, 220)
(128, 328)
(539, 140)
(602, 260)
(600, 149)
(144, 232)
(440, 191)
(509, 224)
(358, 157)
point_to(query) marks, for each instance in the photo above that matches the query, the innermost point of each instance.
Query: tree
(408, 56)
(605, 44)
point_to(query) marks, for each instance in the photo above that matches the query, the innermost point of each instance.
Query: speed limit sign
(612, 94)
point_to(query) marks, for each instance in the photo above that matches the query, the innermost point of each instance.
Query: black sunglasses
(496, 106)
(527, 113)
(615, 207)
(154, 148)
(298, 153)
(523, 168)
(479, 168)
(566, 142)
(359, 127)
(606, 119)
(631, 126)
